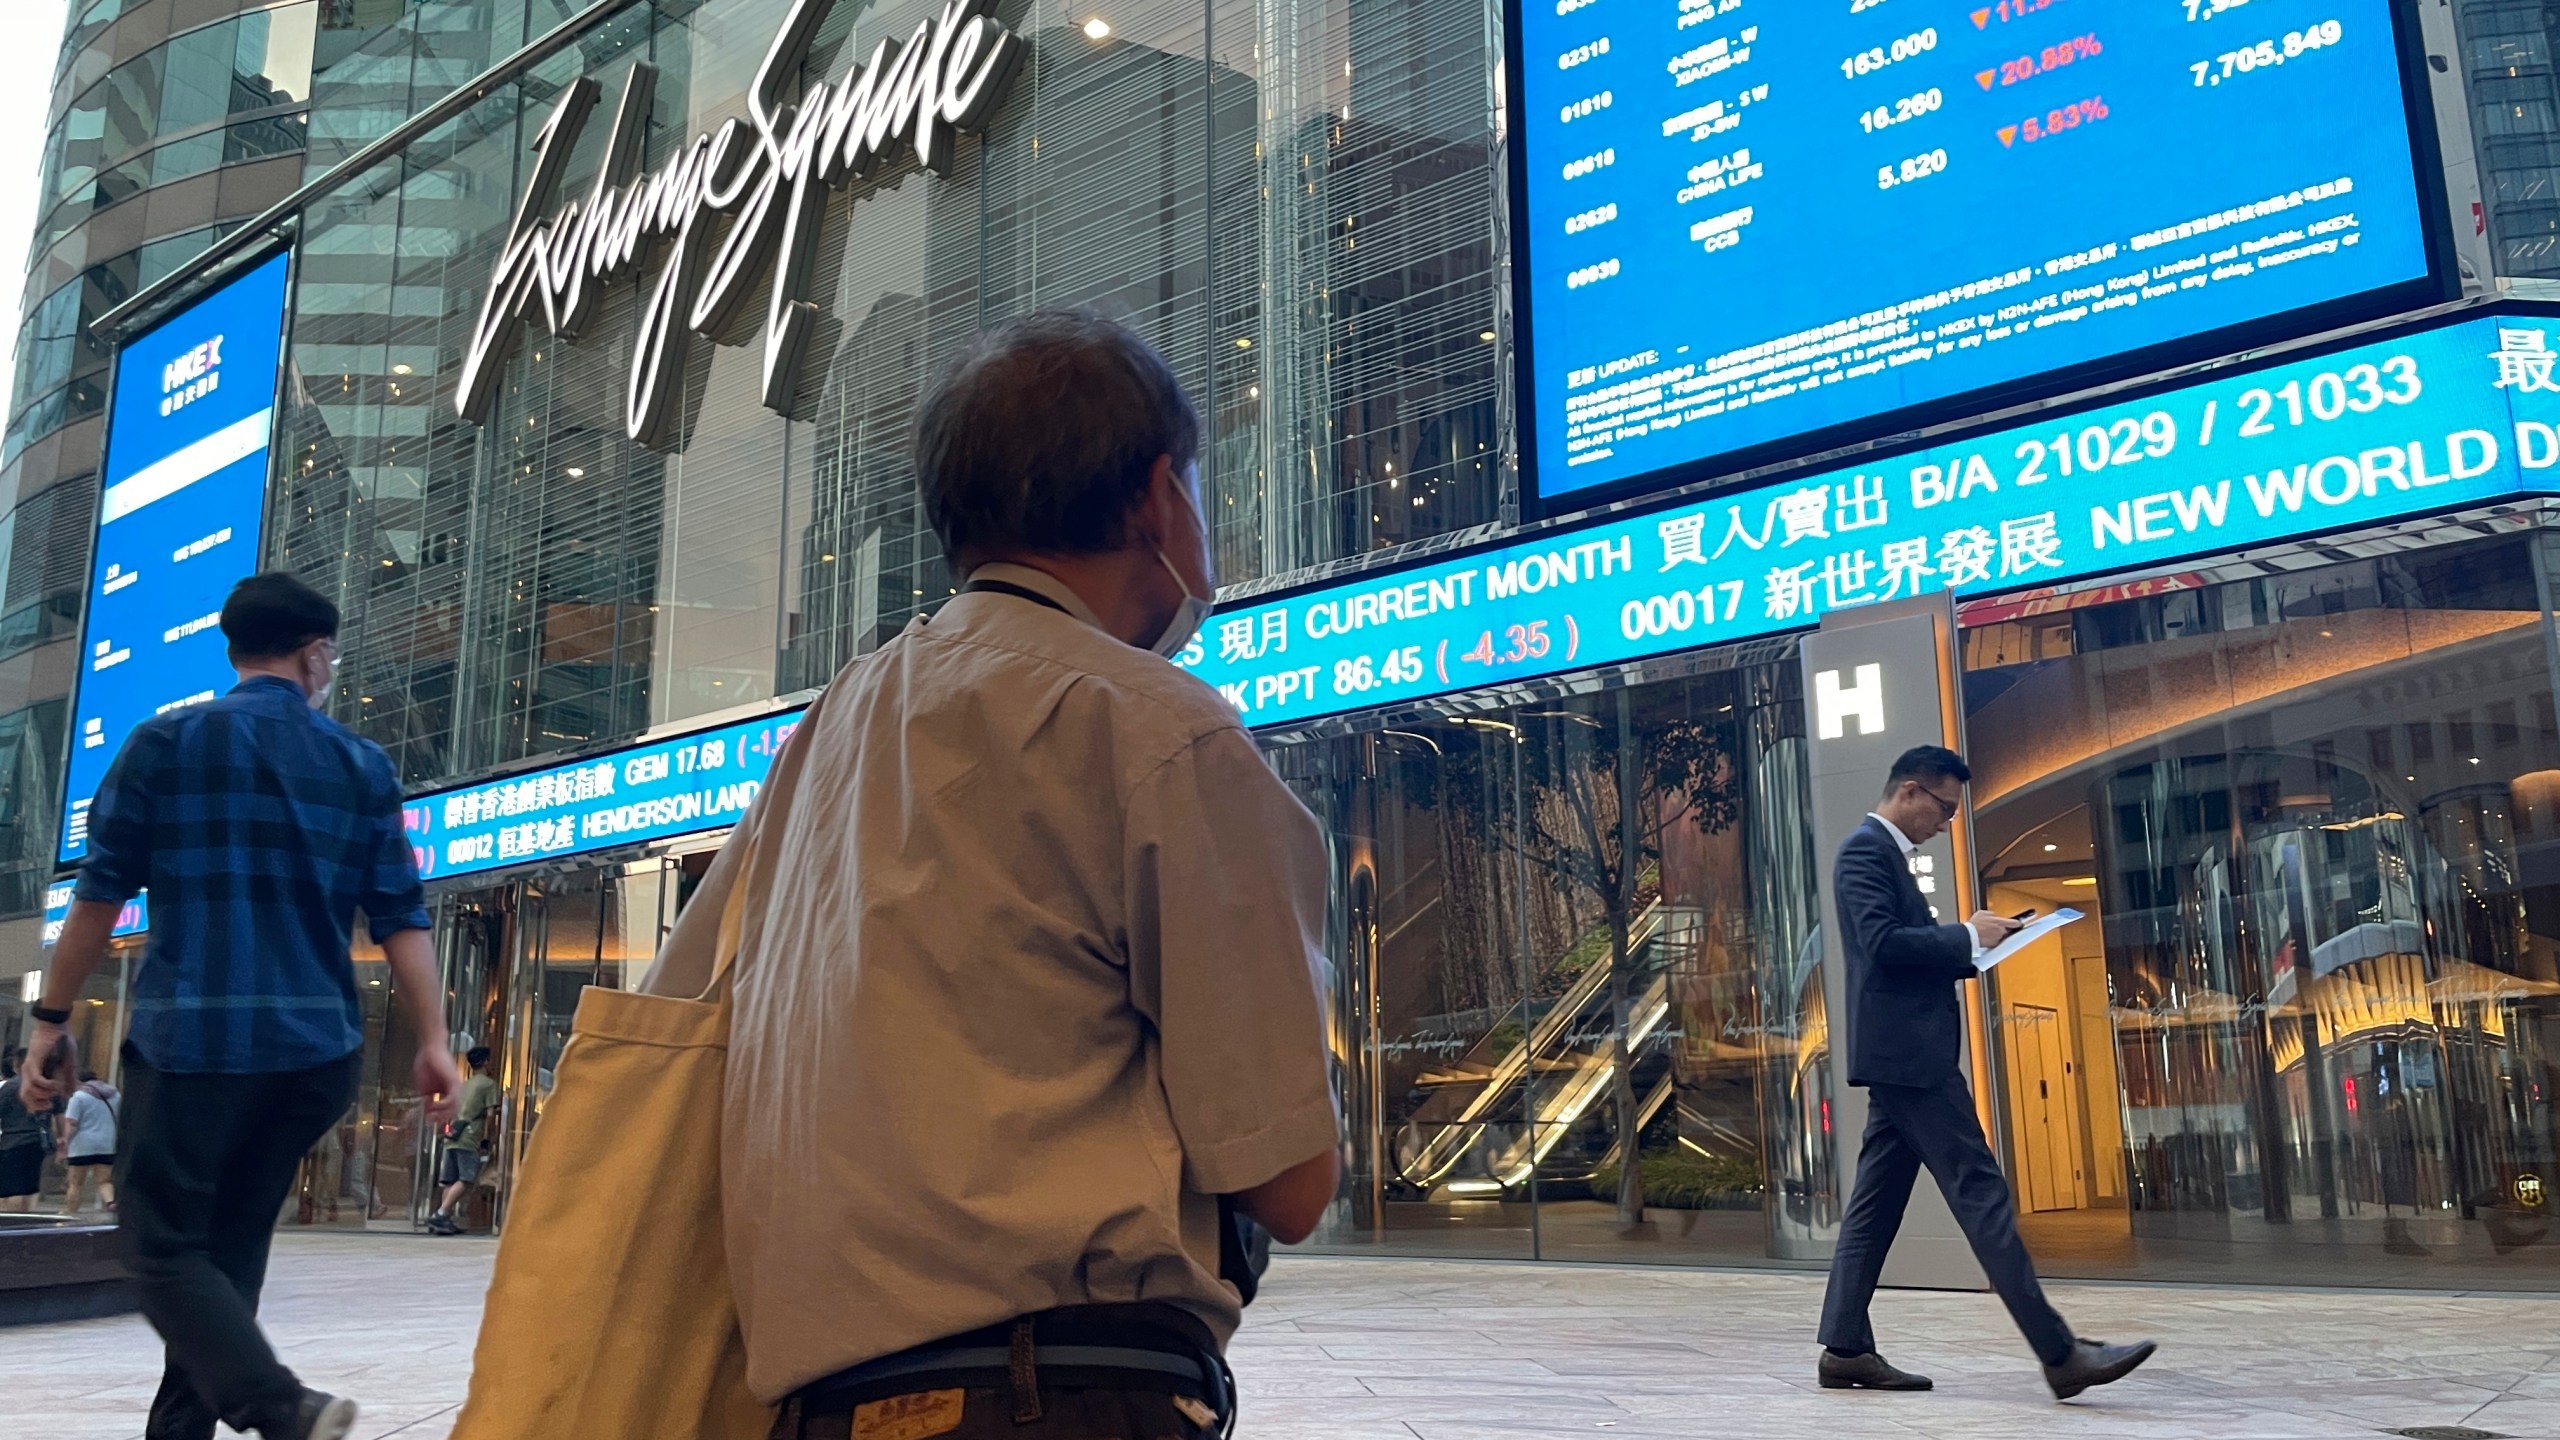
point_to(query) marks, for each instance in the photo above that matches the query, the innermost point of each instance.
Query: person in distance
(1905, 1034)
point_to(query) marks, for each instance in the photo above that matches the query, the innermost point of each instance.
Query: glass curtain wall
(1577, 988)
(222, 93)
(515, 958)
(1323, 285)
(2309, 1031)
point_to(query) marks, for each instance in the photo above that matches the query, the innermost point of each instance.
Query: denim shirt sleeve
(120, 823)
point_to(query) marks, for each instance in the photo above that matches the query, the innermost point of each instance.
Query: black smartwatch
(49, 1017)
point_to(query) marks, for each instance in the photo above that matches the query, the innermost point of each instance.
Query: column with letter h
(1878, 681)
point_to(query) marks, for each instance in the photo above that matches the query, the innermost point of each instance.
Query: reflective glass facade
(2306, 1035)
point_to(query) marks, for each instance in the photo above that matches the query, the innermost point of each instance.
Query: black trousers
(204, 1164)
(1909, 1127)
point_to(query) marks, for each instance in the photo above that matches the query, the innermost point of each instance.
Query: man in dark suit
(1904, 1037)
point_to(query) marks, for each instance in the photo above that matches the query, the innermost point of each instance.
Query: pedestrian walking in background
(89, 1144)
(1905, 1029)
(26, 1138)
(466, 1142)
(261, 828)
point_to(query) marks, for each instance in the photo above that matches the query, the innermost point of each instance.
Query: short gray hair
(1043, 437)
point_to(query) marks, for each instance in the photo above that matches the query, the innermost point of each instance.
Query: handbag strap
(759, 830)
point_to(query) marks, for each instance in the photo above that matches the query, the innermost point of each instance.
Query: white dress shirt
(1908, 850)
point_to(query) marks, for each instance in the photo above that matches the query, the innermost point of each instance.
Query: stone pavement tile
(2535, 1418)
(1402, 1350)
(432, 1427)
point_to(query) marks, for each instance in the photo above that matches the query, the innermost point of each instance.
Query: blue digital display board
(182, 508)
(133, 919)
(655, 791)
(2428, 420)
(1754, 228)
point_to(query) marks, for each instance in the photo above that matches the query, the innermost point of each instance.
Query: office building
(2307, 787)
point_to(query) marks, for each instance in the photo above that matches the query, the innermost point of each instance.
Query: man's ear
(1152, 519)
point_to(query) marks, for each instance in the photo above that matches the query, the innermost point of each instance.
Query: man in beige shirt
(1035, 977)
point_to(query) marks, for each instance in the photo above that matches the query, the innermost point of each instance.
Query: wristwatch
(49, 1017)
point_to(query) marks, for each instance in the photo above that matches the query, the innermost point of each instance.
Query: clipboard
(2035, 930)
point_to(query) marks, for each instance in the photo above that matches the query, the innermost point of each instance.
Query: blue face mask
(1193, 613)
(1187, 619)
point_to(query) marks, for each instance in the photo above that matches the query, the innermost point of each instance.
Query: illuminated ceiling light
(1244, 342)
(2050, 847)
(399, 369)
(1253, 392)
(1097, 29)
(577, 472)
(2089, 882)
(1484, 334)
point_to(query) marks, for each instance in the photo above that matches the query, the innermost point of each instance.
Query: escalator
(1519, 1106)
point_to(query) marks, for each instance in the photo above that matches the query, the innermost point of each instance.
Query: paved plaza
(1434, 1350)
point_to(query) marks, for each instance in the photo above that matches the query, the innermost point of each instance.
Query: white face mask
(1193, 613)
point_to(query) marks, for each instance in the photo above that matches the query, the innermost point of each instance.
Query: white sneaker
(321, 1417)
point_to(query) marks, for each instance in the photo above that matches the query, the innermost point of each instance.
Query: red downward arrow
(1981, 19)
(2008, 136)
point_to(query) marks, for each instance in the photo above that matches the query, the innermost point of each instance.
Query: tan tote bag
(611, 1316)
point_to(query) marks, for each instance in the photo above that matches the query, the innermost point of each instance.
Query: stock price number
(1909, 107)
(1361, 674)
(1918, 167)
(1520, 643)
(2267, 54)
(2099, 447)
(2330, 395)
(1869, 61)
(706, 755)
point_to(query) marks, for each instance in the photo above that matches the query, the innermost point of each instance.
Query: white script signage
(771, 170)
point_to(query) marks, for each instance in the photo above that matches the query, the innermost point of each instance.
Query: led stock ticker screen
(1751, 222)
(182, 507)
(2427, 420)
(700, 781)
(133, 919)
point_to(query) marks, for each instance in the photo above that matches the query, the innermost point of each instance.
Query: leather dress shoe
(2095, 1362)
(1866, 1372)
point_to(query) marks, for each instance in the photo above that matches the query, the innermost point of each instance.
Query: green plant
(1678, 1178)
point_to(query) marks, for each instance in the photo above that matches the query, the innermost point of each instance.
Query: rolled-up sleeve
(1226, 907)
(395, 899)
(118, 864)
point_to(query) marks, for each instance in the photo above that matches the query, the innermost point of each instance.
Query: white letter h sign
(1834, 703)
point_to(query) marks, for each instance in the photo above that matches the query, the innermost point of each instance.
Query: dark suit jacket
(1905, 1022)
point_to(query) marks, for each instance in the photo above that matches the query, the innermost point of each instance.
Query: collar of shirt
(1041, 582)
(269, 682)
(1908, 849)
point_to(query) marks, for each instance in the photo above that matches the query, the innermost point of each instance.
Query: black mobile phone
(2023, 916)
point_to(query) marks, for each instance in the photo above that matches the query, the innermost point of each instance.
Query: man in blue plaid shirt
(261, 827)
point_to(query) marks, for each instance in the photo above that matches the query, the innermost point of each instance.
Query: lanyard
(1018, 592)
